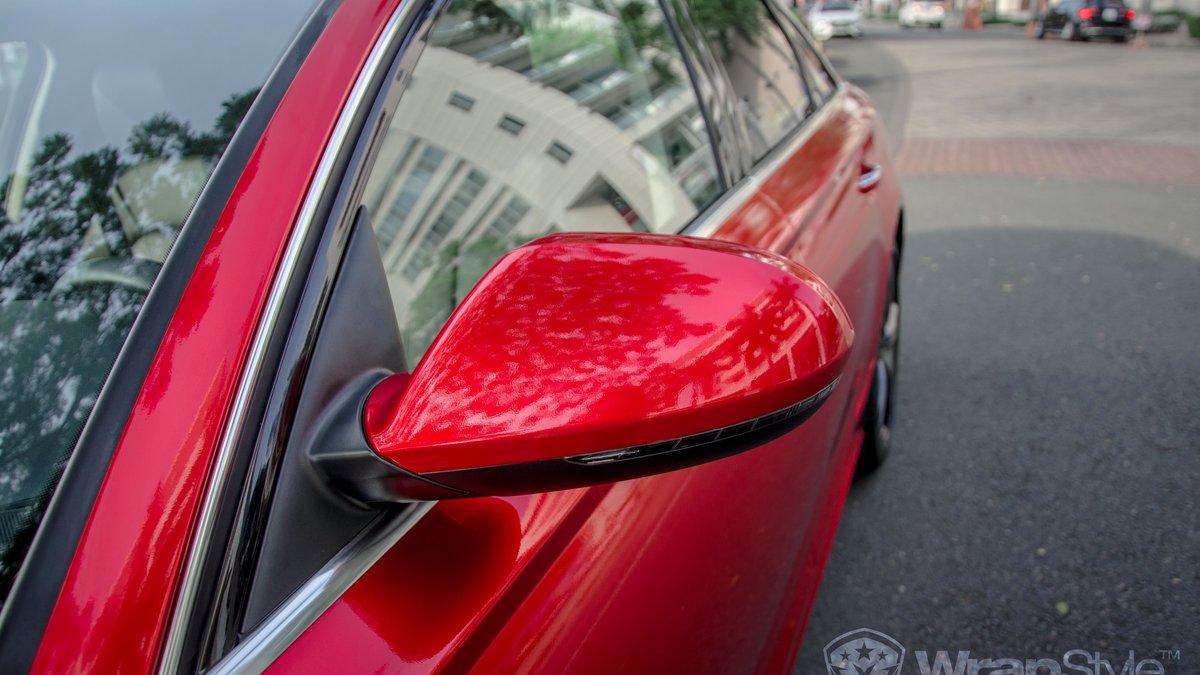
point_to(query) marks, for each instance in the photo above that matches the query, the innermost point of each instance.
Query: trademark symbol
(1168, 655)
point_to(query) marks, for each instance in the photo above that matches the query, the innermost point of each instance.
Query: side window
(820, 81)
(523, 119)
(763, 70)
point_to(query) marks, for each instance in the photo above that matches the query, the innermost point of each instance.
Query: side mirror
(589, 358)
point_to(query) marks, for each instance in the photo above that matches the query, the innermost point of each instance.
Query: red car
(406, 336)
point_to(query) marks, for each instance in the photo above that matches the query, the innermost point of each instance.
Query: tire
(937, 26)
(877, 415)
(1039, 30)
(1121, 39)
(1069, 32)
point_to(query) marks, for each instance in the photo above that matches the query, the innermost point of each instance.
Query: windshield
(112, 116)
(836, 7)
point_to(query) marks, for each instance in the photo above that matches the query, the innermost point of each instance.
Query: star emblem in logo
(864, 652)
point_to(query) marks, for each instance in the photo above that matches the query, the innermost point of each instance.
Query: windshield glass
(836, 7)
(112, 116)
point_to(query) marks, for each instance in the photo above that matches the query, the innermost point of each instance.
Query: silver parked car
(922, 13)
(835, 17)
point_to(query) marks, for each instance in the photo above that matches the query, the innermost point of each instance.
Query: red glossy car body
(708, 569)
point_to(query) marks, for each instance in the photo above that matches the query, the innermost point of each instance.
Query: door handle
(870, 176)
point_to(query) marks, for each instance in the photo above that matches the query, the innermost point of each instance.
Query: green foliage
(1193, 23)
(721, 20)
(489, 16)
(1168, 20)
(641, 32)
(63, 195)
(552, 41)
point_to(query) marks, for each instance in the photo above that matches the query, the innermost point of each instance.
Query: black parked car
(1085, 19)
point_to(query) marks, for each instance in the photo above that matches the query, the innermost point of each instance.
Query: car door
(826, 196)
(499, 132)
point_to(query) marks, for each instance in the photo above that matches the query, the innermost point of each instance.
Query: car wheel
(877, 415)
(1039, 30)
(937, 26)
(1121, 38)
(1069, 32)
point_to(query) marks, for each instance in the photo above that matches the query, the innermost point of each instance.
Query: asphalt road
(1042, 492)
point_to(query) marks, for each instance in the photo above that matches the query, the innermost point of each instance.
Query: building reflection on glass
(522, 120)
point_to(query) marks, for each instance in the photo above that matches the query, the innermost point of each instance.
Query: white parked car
(835, 17)
(922, 13)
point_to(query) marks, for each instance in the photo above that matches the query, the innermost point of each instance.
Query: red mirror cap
(577, 344)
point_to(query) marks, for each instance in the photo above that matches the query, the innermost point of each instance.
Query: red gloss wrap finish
(584, 343)
(116, 601)
(704, 570)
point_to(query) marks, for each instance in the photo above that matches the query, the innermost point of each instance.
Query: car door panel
(810, 209)
(841, 234)
(459, 571)
(598, 580)
(631, 556)
(606, 579)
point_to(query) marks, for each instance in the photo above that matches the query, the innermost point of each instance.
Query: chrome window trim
(346, 572)
(290, 620)
(705, 225)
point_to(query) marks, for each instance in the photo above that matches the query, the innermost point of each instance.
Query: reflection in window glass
(761, 67)
(108, 133)
(820, 81)
(582, 118)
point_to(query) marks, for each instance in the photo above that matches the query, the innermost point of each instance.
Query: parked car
(431, 336)
(1086, 19)
(835, 17)
(922, 13)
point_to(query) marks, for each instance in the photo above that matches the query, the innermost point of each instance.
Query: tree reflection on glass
(635, 327)
(81, 238)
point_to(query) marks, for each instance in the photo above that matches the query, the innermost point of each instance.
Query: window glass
(820, 81)
(761, 67)
(112, 116)
(523, 119)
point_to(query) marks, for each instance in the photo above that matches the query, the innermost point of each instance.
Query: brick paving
(1057, 160)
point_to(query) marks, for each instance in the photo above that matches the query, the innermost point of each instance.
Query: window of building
(511, 124)
(560, 152)
(462, 101)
